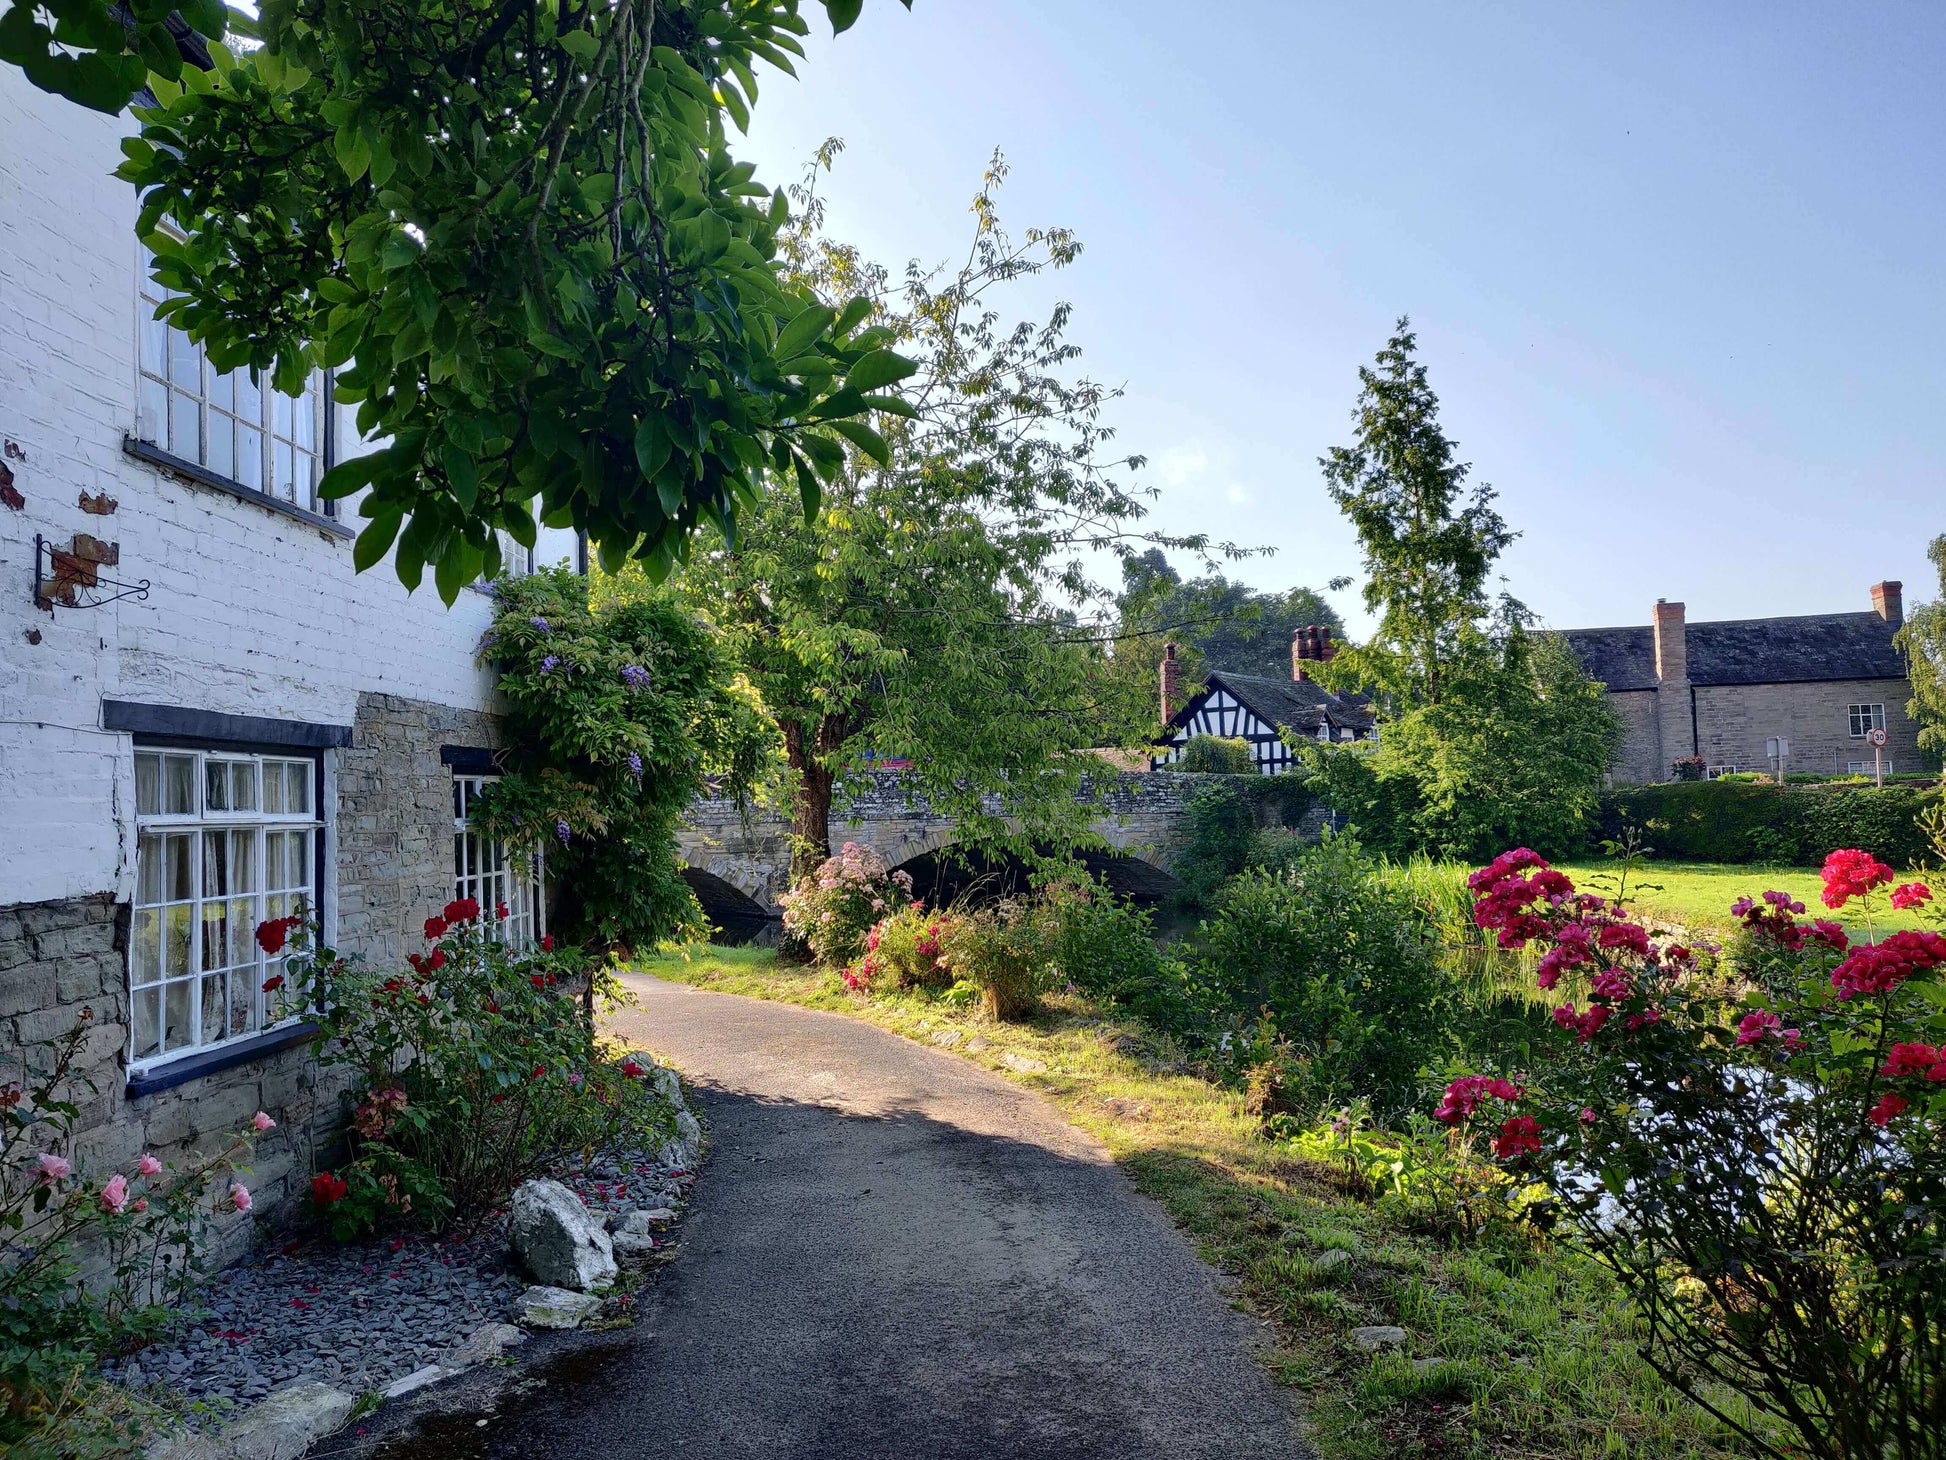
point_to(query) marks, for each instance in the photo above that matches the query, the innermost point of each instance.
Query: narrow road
(892, 1253)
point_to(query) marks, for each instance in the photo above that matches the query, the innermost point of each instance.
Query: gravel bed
(363, 1316)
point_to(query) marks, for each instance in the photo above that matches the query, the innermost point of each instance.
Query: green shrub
(1743, 822)
(1216, 755)
(1106, 948)
(1340, 965)
(1001, 951)
(1219, 824)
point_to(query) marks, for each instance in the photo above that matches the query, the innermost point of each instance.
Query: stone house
(206, 717)
(1723, 691)
(1261, 711)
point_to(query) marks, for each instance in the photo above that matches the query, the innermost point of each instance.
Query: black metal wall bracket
(71, 576)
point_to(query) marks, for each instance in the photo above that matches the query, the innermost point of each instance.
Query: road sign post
(1878, 738)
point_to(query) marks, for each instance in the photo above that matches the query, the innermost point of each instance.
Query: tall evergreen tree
(1429, 546)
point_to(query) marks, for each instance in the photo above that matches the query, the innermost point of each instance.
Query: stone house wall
(1734, 721)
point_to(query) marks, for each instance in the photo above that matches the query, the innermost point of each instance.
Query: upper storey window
(239, 429)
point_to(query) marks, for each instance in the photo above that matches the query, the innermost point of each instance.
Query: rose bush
(474, 1069)
(1765, 1173)
(833, 908)
(90, 1261)
(905, 950)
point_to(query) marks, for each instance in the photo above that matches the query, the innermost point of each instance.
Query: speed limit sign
(1877, 739)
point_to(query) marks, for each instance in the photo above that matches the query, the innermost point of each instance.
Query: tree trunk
(811, 804)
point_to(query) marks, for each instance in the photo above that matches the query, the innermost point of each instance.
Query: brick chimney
(1675, 717)
(1310, 644)
(1171, 683)
(1888, 601)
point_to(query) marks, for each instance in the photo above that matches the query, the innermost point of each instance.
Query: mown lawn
(1699, 894)
(1534, 1348)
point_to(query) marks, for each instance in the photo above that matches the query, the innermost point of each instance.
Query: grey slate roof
(1819, 646)
(1299, 704)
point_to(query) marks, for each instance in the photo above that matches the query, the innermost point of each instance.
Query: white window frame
(1716, 771)
(1867, 767)
(1865, 719)
(484, 869)
(175, 379)
(168, 893)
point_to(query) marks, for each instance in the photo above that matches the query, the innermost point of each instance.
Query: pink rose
(148, 1165)
(51, 1168)
(114, 1194)
(240, 1196)
(261, 1123)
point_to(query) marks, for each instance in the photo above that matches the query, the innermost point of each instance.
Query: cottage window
(1865, 719)
(241, 429)
(485, 868)
(223, 842)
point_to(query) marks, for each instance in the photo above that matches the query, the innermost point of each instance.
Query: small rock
(947, 1038)
(287, 1423)
(633, 1244)
(487, 1342)
(978, 1042)
(554, 1308)
(418, 1379)
(659, 1214)
(639, 1223)
(689, 1130)
(559, 1239)
(1378, 1336)
(1022, 1063)
(668, 1086)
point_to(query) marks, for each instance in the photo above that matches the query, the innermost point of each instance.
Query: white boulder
(560, 1240)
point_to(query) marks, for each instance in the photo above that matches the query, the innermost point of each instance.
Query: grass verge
(1513, 1351)
(1698, 894)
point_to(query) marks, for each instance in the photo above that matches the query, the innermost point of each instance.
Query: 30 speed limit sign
(1877, 739)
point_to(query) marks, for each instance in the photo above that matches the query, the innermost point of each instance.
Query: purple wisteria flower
(540, 624)
(635, 676)
(550, 663)
(561, 830)
(635, 764)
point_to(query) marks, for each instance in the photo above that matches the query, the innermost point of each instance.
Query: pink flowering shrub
(144, 1227)
(1766, 1177)
(834, 907)
(906, 949)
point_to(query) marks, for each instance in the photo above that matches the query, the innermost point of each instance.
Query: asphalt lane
(893, 1253)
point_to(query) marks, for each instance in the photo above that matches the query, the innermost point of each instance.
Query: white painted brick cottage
(261, 726)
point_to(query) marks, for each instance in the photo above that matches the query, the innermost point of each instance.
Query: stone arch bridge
(740, 865)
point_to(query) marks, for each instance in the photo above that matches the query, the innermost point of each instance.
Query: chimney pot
(1888, 601)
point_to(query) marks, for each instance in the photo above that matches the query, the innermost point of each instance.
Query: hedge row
(1715, 821)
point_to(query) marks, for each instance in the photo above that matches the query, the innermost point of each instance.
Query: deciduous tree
(1922, 639)
(517, 231)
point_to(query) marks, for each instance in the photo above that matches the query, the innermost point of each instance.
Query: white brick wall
(250, 612)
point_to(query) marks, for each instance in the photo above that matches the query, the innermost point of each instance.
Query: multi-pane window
(239, 428)
(224, 842)
(1866, 718)
(486, 870)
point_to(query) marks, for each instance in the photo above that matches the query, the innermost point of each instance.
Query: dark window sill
(202, 476)
(213, 1061)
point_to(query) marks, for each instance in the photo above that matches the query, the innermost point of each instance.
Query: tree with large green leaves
(516, 231)
(1429, 547)
(936, 608)
(1922, 639)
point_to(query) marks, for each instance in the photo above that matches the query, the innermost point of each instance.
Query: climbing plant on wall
(619, 713)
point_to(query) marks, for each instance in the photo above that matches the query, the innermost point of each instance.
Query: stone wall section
(66, 957)
(1735, 721)
(394, 853)
(1139, 814)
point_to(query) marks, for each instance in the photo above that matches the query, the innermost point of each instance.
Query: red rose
(537, 981)
(547, 943)
(437, 961)
(500, 911)
(435, 929)
(273, 983)
(271, 935)
(1520, 1136)
(462, 910)
(327, 1189)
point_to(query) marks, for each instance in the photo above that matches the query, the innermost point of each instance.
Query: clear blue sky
(1678, 271)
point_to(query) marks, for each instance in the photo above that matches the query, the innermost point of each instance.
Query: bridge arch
(940, 876)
